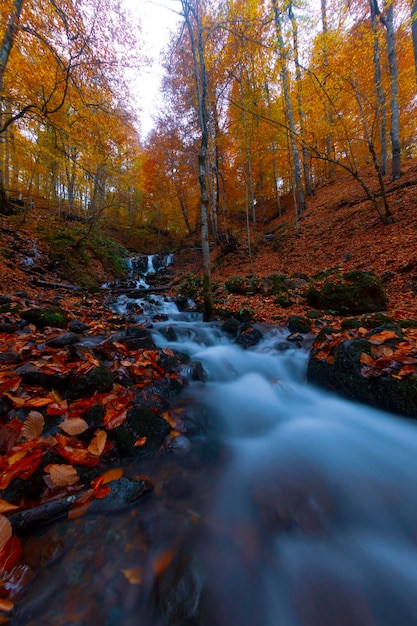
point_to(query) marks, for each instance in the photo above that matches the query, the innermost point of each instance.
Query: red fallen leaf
(112, 419)
(5, 531)
(22, 467)
(6, 507)
(57, 408)
(78, 456)
(140, 442)
(368, 371)
(12, 384)
(405, 370)
(38, 402)
(102, 492)
(81, 505)
(384, 335)
(366, 359)
(10, 554)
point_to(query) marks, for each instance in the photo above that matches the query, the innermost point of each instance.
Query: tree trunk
(288, 106)
(414, 32)
(381, 104)
(393, 71)
(200, 76)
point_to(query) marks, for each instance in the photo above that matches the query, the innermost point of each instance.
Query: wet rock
(355, 292)
(346, 371)
(98, 379)
(230, 326)
(298, 324)
(248, 336)
(140, 423)
(66, 339)
(94, 416)
(33, 375)
(41, 317)
(138, 338)
(76, 326)
(10, 357)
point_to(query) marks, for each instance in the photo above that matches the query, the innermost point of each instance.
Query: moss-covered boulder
(99, 379)
(41, 317)
(140, 425)
(236, 285)
(356, 292)
(378, 368)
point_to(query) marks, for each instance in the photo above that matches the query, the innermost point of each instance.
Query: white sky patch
(157, 21)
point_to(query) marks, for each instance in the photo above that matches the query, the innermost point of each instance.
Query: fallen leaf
(162, 561)
(73, 425)
(77, 510)
(384, 335)
(366, 359)
(134, 575)
(62, 475)
(5, 531)
(112, 474)
(6, 507)
(113, 419)
(98, 442)
(140, 442)
(33, 425)
(6, 606)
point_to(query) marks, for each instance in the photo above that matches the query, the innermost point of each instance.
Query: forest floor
(338, 229)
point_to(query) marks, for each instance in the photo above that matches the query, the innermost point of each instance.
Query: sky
(157, 19)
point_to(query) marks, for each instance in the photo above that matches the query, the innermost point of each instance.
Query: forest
(208, 333)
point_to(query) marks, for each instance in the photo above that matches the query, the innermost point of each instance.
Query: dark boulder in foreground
(377, 367)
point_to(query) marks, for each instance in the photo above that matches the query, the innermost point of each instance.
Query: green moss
(53, 316)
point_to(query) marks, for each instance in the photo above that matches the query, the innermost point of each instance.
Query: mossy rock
(138, 424)
(356, 292)
(98, 379)
(283, 302)
(274, 284)
(236, 285)
(298, 324)
(41, 317)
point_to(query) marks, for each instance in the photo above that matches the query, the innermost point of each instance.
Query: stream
(295, 508)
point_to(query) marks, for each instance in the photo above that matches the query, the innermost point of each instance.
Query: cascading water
(297, 509)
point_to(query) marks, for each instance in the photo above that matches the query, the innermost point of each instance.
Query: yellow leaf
(62, 475)
(98, 442)
(33, 425)
(5, 531)
(73, 425)
(133, 575)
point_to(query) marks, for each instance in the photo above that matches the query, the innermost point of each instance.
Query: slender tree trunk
(395, 113)
(249, 177)
(5, 49)
(200, 76)
(300, 106)
(414, 32)
(288, 106)
(382, 107)
(328, 116)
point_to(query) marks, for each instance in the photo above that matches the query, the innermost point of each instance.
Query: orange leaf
(98, 442)
(162, 561)
(113, 419)
(12, 384)
(384, 335)
(406, 369)
(112, 474)
(366, 359)
(5, 531)
(62, 475)
(140, 442)
(6, 606)
(39, 401)
(10, 554)
(134, 575)
(102, 492)
(33, 425)
(5, 507)
(73, 425)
